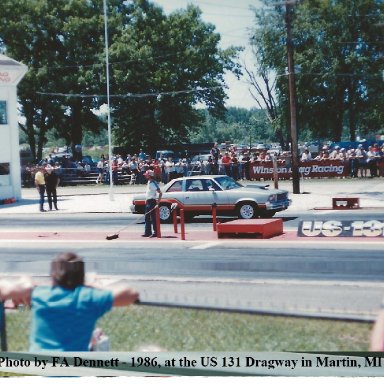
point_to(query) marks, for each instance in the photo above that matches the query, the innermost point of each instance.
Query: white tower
(11, 72)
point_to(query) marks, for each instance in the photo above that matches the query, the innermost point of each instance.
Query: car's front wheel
(246, 210)
(165, 213)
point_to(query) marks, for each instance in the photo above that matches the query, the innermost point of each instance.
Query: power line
(78, 66)
(129, 95)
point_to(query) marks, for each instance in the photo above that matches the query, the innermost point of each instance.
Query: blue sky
(232, 20)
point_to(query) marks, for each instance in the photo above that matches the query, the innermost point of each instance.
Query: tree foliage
(59, 41)
(238, 125)
(338, 52)
(167, 64)
(161, 67)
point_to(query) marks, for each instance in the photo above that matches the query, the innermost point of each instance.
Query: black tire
(247, 210)
(165, 213)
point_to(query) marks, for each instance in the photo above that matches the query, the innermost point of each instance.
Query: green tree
(238, 125)
(62, 42)
(166, 65)
(338, 53)
(162, 65)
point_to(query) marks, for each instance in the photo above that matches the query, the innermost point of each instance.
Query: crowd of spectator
(230, 161)
(360, 161)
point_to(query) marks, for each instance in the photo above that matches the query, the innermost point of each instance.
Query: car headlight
(272, 198)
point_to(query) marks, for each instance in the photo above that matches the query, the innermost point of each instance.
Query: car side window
(194, 185)
(175, 187)
(209, 185)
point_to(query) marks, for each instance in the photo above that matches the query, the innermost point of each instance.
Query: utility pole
(292, 99)
(108, 101)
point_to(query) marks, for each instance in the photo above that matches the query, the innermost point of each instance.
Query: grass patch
(198, 330)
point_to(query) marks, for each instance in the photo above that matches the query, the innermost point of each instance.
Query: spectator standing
(362, 157)
(40, 185)
(306, 155)
(372, 157)
(323, 155)
(263, 157)
(142, 155)
(106, 171)
(50, 160)
(353, 163)
(170, 169)
(209, 166)
(234, 166)
(179, 169)
(115, 170)
(185, 167)
(64, 314)
(163, 171)
(51, 182)
(155, 165)
(120, 160)
(226, 161)
(247, 165)
(100, 170)
(142, 168)
(134, 167)
(220, 165)
(215, 152)
(335, 153)
(241, 166)
(152, 191)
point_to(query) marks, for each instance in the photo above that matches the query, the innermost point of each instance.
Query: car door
(200, 194)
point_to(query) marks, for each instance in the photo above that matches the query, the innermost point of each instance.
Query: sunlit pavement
(192, 235)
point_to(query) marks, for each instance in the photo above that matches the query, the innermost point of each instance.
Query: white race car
(198, 194)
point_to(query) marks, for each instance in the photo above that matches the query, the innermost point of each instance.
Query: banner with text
(341, 228)
(326, 168)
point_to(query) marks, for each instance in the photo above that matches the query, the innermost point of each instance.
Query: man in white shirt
(151, 193)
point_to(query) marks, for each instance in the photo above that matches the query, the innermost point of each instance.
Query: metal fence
(155, 323)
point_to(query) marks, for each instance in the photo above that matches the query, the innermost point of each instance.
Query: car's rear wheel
(165, 213)
(247, 210)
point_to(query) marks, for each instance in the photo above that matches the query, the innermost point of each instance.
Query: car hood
(257, 185)
(261, 188)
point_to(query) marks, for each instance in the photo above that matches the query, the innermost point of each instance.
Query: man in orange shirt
(226, 161)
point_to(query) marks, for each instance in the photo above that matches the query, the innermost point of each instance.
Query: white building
(11, 72)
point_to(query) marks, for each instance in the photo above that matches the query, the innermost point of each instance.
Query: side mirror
(211, 189)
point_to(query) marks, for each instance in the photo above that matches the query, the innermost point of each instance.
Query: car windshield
(227, 183)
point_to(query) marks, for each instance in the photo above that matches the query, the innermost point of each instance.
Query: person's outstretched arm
(123, 295)
(18, 291)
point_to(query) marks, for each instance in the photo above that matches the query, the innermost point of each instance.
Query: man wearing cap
(40, 185)
(152, 191)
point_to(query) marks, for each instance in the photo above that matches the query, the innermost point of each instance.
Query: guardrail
(73, 176)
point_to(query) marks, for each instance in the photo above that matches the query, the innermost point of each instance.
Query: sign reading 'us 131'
(334, 228)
